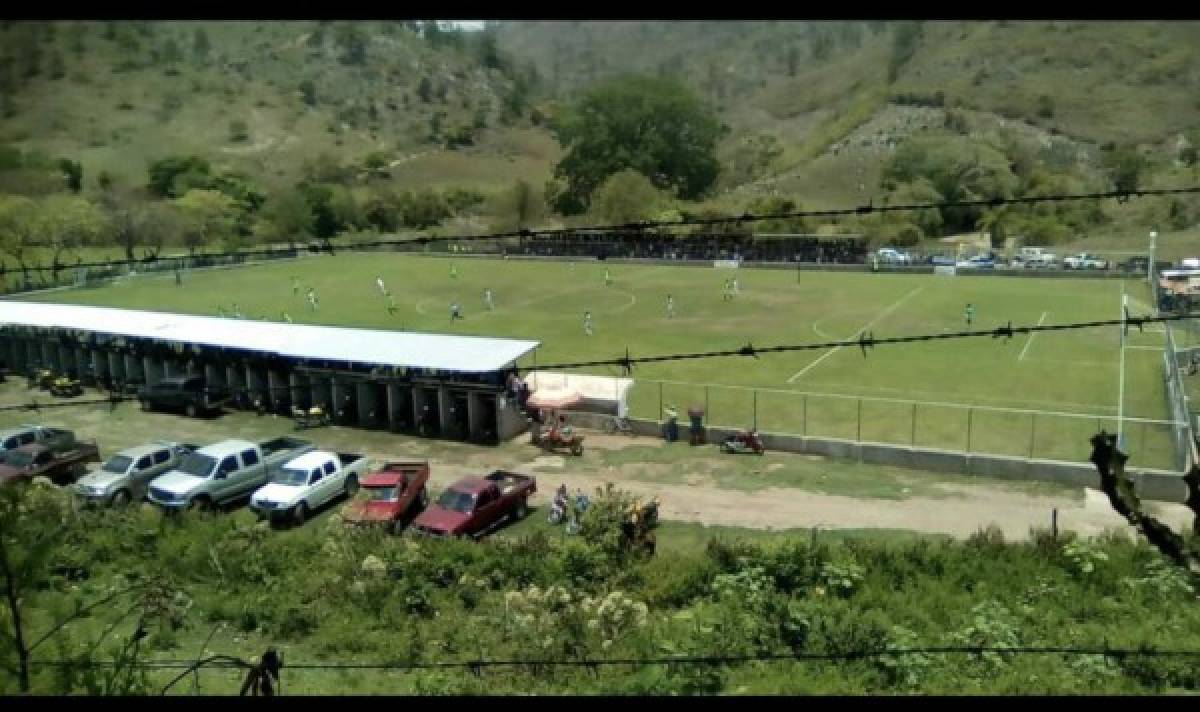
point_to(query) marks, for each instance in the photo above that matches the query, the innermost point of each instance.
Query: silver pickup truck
(223, 472)
(123, 478)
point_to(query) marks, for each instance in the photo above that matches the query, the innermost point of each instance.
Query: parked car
(1190, 263)
(223, 472)
(1135, 264)
(977, 262)
(1034, 258)
(474, 506)
(391, 496)
(307, 483)
(189, 394)
(892, 256)
(37, 460)
(941, 261)
(1084, 260)
(125, 476)
(55, 438)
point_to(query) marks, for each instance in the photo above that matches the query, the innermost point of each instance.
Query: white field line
(1031, 335)
(868, 325)
(1146, 348)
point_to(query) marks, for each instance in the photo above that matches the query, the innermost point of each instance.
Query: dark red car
(474, 506)
(62, 467)
(391, 496)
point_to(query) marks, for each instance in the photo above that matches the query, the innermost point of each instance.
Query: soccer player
(287, 317)
(379, 283)
(453, 272)
(970, 313)
(313, 302)
(726, 291)
(220, 311)
(391, 307)
(237, 313)
(295, 286)
(178, 278)
(455, 312)
(670, 307)
(487, 298)
(607, 278)
(733, 283)
(587, 323)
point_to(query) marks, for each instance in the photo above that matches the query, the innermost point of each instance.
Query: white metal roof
(442, 352)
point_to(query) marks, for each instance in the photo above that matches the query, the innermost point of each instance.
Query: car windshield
(290, 476)
(381, 494)
(16, 458)
(117, 464)
(456, 501)
(197, 465)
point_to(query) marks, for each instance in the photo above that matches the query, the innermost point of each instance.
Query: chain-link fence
(1013, 432)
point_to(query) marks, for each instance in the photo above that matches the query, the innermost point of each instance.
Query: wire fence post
(970, 412)
(707, 413)
(755, 414)
(1032, 433)
(859, 436)
(804, 416)
(660, 400)
(913, 441)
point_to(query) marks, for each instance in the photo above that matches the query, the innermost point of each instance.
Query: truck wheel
(351, 486)
(300, 514)
(190, 410)
(201, 504)
(397, 527)
(121, 498)
(522, 510)
(577, 449)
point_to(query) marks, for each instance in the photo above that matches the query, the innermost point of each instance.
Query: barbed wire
(864, 341)
(225, 661)
(327, 245)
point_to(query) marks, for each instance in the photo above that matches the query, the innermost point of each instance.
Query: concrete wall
(1150, 484)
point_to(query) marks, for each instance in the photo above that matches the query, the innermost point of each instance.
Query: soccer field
(939, 394)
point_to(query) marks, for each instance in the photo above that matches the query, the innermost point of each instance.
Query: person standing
(487, 299)
(670, 307)
(287, 318)
(453, 271)
(587, 323)
(970, 313)
(295, 286)
(313, 302)
(379, 283)
(391, 305)
(734, 284)
(455, 312)
(607, 278)
(237, 313)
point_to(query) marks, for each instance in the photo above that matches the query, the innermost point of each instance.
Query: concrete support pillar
(116, 366)
(369, 412)
(33, 353)
(133, 369)
(46, 354)
(399, 404)
(66, 359)
(256, 384)
(278, 393)
(342, 394)
(301, 395)
(425, 401)
(83, 366)
(478, 427)
(153, 368)
(100, 366)
(321, 393)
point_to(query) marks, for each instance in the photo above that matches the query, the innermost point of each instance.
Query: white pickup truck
(223, 472)
(1083, 260)
(308, 483)
(1034, 258)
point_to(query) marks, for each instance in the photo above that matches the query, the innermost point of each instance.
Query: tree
(353, 43)
(425, 90)
(308, 92)
(209, 216)
(1125, 167)
(958, 169)
(18, 229)
(424, 208)
(200, 44)
(627, 196)
(69, 222)
(519, 207)
(290, 216)
(656, 127)
(238, 131)
(73, 172)
(489, 54)
(164, 173)
(904, 44)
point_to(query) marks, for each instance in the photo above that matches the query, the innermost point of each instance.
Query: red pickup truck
(61, 466)
(474, 506)
(391, 495)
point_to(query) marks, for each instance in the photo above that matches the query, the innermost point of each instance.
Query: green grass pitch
(1060, 372)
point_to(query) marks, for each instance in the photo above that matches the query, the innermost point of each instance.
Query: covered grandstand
(435, 385)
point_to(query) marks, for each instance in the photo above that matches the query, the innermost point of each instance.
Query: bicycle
(617, 424)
